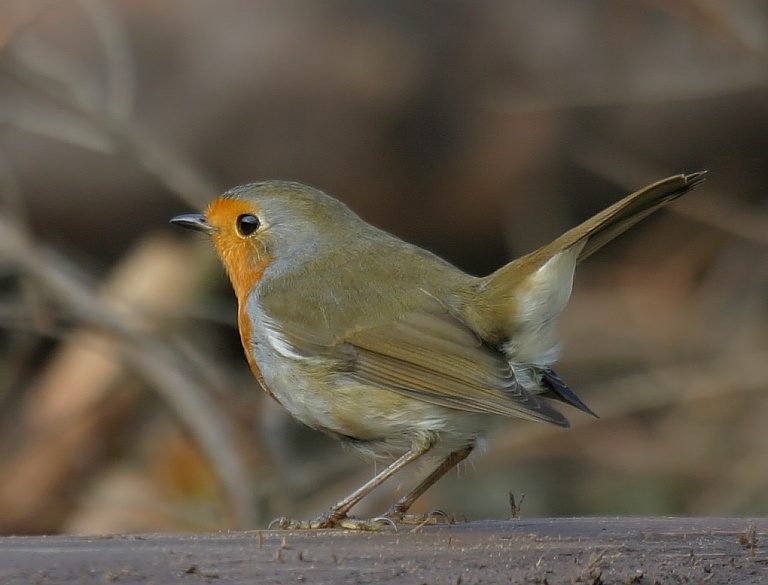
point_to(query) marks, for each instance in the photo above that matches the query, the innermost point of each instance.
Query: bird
(386, 346)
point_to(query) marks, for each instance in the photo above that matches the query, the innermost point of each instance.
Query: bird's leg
(398, 511)
(337, 515)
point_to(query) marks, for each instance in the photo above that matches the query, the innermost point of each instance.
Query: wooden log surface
(592, 551)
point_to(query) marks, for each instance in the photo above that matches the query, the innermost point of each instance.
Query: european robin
(384, 345)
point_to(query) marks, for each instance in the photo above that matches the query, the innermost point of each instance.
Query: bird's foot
(430, 518)
(333, 519)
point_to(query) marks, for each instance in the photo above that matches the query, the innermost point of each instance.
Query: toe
(334, 520)
(433, 517)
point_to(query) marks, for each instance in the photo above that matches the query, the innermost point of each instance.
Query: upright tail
(524, 298)
(622, 215)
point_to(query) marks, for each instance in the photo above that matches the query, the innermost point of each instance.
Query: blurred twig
(667, 385)
(723, 212)
(22, 343)
(49, 73)
(119, 69)
(76, 117)
(128, 335)
(716, 19)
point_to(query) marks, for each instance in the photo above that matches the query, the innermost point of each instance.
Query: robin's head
(273, 223)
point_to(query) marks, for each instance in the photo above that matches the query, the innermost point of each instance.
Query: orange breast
(245, 260)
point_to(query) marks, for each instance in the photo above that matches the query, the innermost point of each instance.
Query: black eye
(247, 224)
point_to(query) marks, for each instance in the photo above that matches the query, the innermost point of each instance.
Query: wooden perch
(591, 551)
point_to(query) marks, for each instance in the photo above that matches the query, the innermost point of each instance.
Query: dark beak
(194, 221)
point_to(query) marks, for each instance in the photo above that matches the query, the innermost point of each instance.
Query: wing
(430, 355)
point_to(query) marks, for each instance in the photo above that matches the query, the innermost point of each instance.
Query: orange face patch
(244, 257)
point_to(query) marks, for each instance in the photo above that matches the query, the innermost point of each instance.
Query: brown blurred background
(476, 129)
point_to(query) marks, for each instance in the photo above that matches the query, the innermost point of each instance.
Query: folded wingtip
(558, 390)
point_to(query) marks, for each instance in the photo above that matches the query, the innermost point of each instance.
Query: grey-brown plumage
(387, 346)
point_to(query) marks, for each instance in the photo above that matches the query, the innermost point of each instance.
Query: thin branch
(120, 70)
(98, 131)
(154, 360)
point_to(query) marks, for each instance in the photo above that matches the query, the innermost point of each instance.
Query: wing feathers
(434, 357)
(430, 355)
(417, 382)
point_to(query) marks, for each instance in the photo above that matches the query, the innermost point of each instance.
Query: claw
(448, 519)
(418, 519)
(382, 520)
(366, 524)
(282, 522)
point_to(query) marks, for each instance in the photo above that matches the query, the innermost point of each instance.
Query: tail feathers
(622, 215)
(588, 237)
(592, 235)
(556, 389)
(523, 299)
